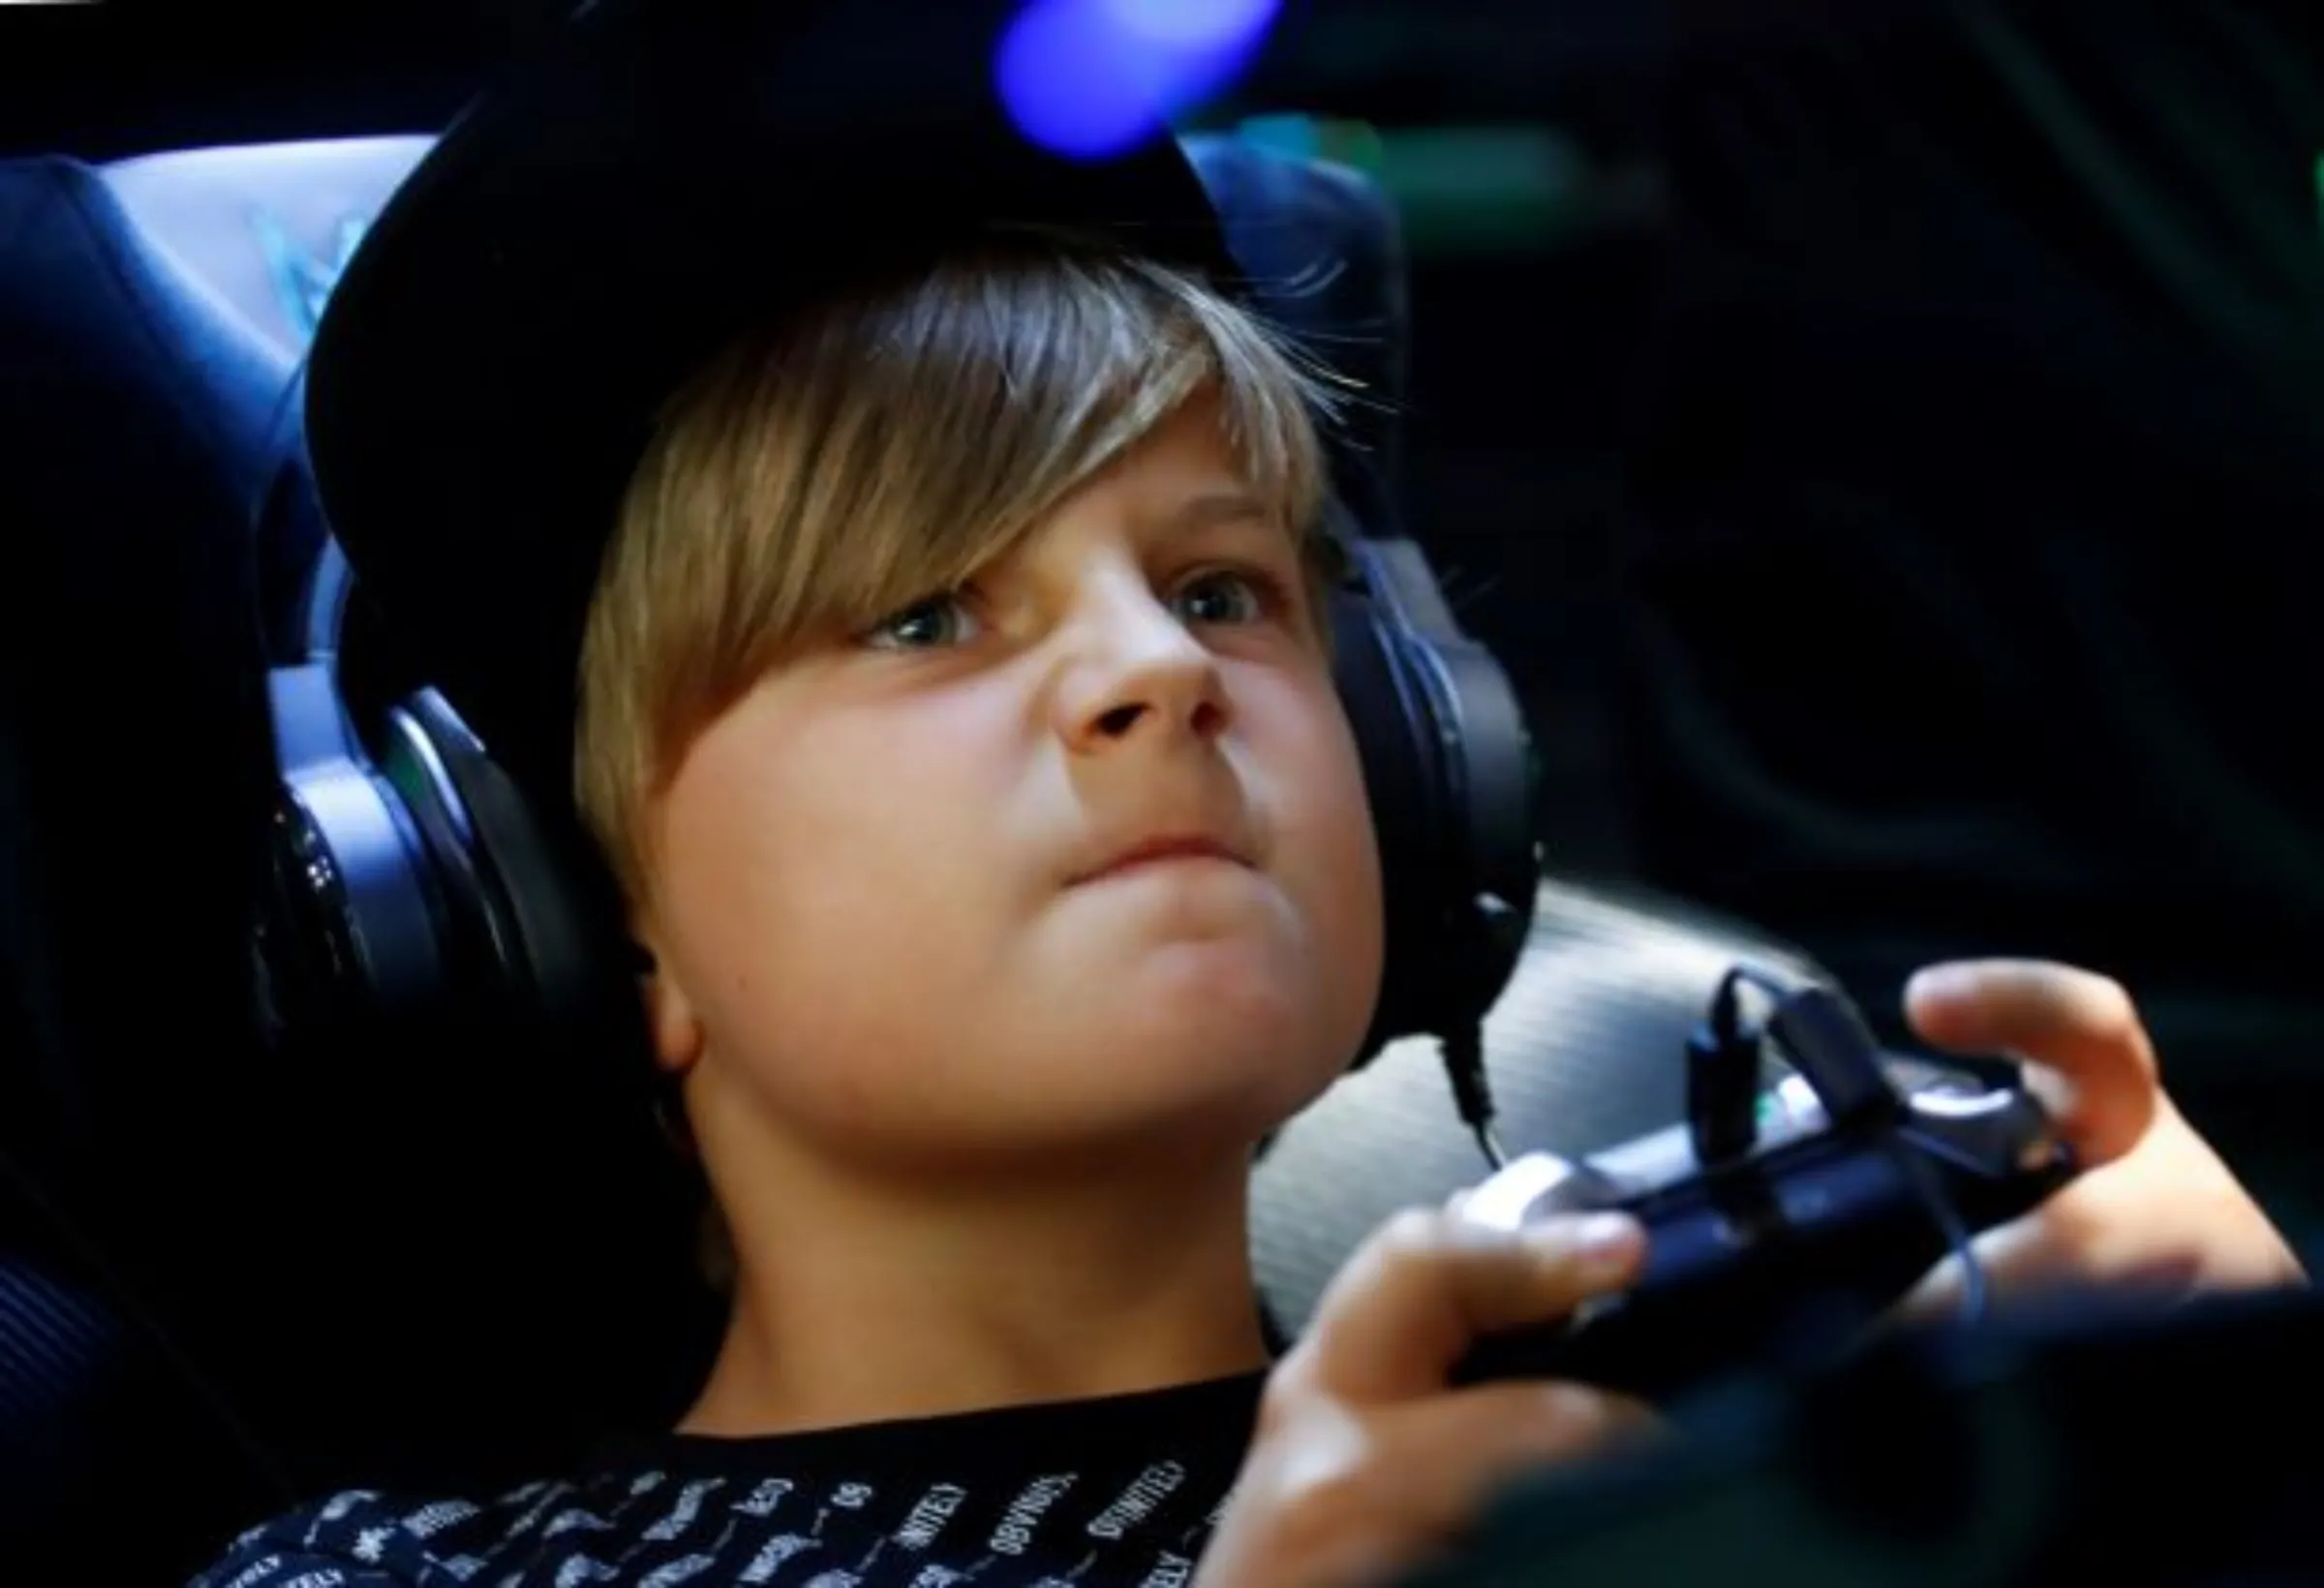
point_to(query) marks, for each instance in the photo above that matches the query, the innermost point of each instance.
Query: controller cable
(1828, 1044)
(1722, 1076)
(1975, 1297)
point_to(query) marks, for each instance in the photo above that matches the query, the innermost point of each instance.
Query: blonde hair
(827, 471)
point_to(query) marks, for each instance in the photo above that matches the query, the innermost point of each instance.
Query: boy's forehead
(1187, 470)
(1184, 480)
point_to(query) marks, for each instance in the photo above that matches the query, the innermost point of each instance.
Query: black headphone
(407, 867)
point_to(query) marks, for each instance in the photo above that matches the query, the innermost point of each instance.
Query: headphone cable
(1463, 1052)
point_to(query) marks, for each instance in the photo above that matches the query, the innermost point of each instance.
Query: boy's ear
(669, 1013)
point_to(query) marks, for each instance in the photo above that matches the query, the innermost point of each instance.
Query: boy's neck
(857, 1303)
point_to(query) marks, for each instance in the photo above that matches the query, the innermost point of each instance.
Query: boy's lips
(1158, 848)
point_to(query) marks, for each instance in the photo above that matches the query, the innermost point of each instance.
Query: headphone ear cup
(546, 941)
(1448, 766)
(1404, 789)
(1494, 858)
(482, 935)
(350, 924)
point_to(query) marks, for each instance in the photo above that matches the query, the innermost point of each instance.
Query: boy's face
(887, 914)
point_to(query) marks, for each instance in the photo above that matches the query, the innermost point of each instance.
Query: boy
(934, 647)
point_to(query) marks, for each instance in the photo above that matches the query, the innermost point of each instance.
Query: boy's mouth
(1161, 849)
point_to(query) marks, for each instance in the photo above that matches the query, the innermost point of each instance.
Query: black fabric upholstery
(133, 765)
(193, 1206)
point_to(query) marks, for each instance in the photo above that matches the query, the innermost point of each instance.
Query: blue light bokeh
(1202, 24)
(1093, 77)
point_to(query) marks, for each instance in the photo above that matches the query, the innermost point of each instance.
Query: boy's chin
(1220, 1065)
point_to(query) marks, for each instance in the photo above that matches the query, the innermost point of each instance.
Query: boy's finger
(2080, 1028)
(1414, 1296)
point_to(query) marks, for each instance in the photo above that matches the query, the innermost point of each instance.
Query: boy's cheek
(1340, 881)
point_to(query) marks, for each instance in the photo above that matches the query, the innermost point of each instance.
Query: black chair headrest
(1327, 250)
(149, 365)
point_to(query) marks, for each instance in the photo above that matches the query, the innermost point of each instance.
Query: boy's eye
(926, 623)
(1228, 596)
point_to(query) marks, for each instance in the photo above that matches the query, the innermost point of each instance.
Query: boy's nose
(1145, 677)
(1203, 720)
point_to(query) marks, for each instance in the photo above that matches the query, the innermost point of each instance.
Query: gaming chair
(212, 1220)
(193, 1212)
(134, 774)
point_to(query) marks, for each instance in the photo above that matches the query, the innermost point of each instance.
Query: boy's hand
(1364, 1462)
(2154, 1206)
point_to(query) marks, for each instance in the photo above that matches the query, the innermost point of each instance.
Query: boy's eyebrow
(1214, 508)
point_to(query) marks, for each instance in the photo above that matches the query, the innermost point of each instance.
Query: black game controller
(1780, 1222)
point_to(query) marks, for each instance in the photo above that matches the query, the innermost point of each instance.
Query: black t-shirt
(1119, 1492)
(1977, 489)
